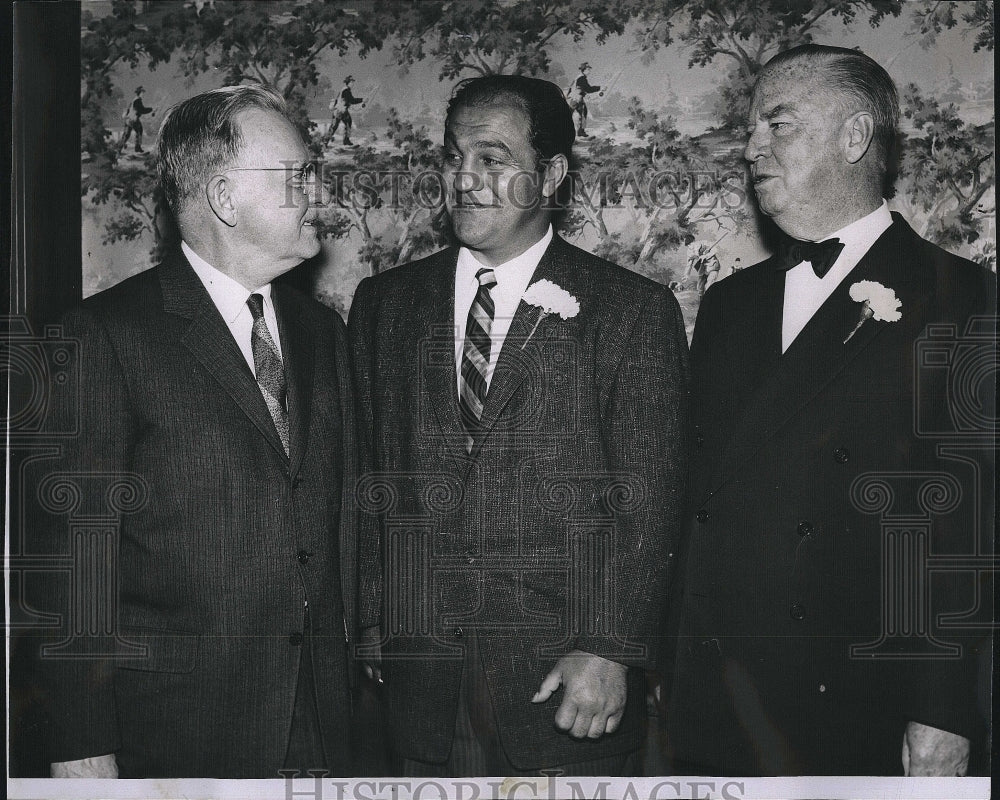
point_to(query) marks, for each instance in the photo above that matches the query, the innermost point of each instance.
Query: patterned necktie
(821, 255)
(476, 357)
(270, 372)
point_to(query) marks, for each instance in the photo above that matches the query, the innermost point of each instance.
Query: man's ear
(220, 199)
(556, 171)
(859, 131)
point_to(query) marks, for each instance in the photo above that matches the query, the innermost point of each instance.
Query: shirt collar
(230, 296)
(862, 233)
(516, 272)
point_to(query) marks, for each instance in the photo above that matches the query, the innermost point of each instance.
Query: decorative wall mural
(660, 89)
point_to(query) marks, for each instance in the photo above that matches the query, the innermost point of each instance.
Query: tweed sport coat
(228, 540)
(806, 466)
(557, 531)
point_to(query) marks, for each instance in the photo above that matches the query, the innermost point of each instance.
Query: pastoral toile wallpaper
(660, 186)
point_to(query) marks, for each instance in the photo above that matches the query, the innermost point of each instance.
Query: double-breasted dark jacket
(811, 626)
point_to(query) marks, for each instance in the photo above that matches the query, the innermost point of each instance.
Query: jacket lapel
(518, 356)
(818, 354)
(212, 344)
(297, 354)
(436, 347)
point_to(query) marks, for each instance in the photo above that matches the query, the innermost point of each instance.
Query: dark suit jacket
(805, 466)
(557, 533)
(225, 539)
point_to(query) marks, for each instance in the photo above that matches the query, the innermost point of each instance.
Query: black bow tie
(820, 254)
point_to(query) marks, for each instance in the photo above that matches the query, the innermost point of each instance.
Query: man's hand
(371, 639)
(96, 767)
(931, 752)
(593, 694)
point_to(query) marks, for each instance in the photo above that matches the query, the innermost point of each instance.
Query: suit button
(841, 455)
(702, 515)
(797, 611)
(805, 528)
(458, 633)
(303, 557)
(295, 638)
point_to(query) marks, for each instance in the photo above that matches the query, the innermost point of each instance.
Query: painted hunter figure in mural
(340, 107)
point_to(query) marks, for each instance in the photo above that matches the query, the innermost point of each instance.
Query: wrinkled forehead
(792, 85)
(501, 119)
(269, 139)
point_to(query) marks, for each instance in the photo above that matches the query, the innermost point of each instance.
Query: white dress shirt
(230, 297)
(512, 280)
(805, 293)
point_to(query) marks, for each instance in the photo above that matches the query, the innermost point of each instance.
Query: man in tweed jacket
(236, 563)
(526, 402)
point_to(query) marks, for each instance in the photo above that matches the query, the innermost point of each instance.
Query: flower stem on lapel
(866, 314)
(541, 316)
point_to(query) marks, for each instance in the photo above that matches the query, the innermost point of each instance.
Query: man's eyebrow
(481, 144)
(778, 110)
(493, 144)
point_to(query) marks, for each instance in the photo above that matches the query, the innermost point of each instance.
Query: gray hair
(200, 136)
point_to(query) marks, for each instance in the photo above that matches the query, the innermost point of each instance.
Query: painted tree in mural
(400, 187)
(746, 33)
(947, 166)
(126, 186)
(488, 37)
(950, 162)
(646, 190)
(277, 43)
(657, 194)
(950, 167)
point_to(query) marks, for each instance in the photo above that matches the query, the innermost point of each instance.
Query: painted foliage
(659, 183)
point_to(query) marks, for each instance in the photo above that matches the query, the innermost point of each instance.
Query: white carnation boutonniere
(550, 299)
(879, 303)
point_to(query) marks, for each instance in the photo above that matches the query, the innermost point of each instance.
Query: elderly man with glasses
(226, 397)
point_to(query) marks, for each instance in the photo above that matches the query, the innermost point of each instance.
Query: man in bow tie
(813, 635)
(526, 402)
(223, 400)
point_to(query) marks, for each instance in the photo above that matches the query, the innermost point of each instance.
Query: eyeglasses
(298, 178)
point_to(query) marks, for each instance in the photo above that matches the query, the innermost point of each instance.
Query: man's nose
(467, 181)
(757, 145)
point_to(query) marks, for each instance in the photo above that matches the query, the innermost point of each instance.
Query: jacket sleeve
(644, 430)
(76, 658)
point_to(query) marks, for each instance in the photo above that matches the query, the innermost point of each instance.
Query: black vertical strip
(46, 263)
(41, 154)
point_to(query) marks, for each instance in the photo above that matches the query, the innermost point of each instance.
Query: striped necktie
(476, 357)
(270, 372)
